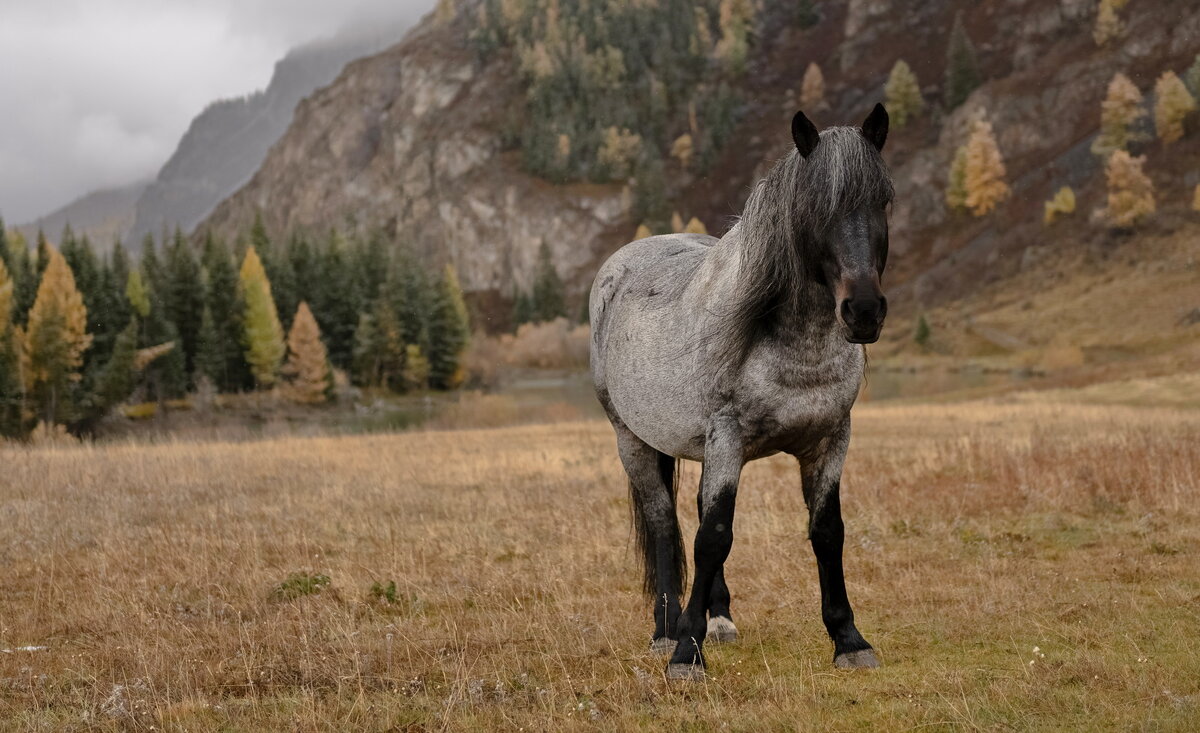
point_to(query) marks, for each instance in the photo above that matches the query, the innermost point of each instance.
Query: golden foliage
(56, 335)
(642, 232)
(308, 363)
(1120, 110)
(261, 331)
(812, 88)
(984, 173)
(736, 18)
(1108, 25)
(1172, 104)
(6, 300)
(1062, 203)
(1130, 192)
(903, 94)
(144, 357)
(956, 187)
(619, 151)
(682, 149)
(1196, 199)
(695, 226)
(676, 222)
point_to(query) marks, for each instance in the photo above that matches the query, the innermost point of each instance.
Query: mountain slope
(412, 141)
(104, 215)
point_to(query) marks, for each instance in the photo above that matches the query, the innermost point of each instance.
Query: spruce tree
(210, 352)
(548, 300)
(262, 334)
(114, 383)
(225, 310)
(307, 367)
(962, 66)
(24, 275)
(338, 303)
(448, 332)
(184, 297)
(55, 342)
(522, 309)
(410, 298)
(12, 391)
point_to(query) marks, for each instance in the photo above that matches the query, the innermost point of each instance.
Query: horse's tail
(647, 538)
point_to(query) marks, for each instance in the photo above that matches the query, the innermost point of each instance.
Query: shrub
(299, 584)
(1062, 203)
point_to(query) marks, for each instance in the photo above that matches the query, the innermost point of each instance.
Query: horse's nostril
(882, 307)
(847, 311)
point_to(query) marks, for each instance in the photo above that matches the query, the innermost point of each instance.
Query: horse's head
(849, 190)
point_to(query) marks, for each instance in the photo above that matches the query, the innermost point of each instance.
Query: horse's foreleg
(822, 493)
(720, 622)
(718, 492)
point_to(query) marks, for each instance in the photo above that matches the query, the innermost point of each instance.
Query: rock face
(410, 140)
(227, 142)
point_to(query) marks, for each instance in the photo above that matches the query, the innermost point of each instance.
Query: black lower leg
(719, 598)
(713, 542)
(827, 533)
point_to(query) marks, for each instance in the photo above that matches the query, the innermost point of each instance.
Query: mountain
(225, 144)
(104, 216)
(427, 142)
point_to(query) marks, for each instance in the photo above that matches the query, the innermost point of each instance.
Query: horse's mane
(781, 228)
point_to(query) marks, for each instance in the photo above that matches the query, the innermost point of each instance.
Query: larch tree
(1108, 24)
(956, 186)
(812, 89)
(695, 226)
(1130, 192)
(55, 340)
(1119, 114)
(683, 149)
(642, 232)
(307, 367)
(262, 334)
(962, 66)
(676, 222)
(549, 300)
(984, 175)
(1173, 103)
(1196, 198)
(1063, 203)
(903, 94)
(736, 19)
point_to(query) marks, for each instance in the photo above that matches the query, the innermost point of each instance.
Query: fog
(97, 94)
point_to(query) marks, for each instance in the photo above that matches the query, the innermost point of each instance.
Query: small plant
(922, 332)
(1062, 203)
(299, 584)
(384, 593)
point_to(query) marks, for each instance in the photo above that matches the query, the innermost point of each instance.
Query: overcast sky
(97, 93)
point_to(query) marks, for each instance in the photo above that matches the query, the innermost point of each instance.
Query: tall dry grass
(169, 584)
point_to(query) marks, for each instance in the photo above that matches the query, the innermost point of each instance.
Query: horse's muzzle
(863, 318)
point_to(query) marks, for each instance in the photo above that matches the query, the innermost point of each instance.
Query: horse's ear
(875, 127)
(805, 134)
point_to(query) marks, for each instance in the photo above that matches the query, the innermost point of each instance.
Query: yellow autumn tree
(55, 338)
(1108, 25)
(1119, 113)
(308, 363)
(642, 232)
(618, 152)
(695, 226)
(735, 19)
(1173, 102)
(676, 222)
(812, 88)
(956, 185)
(262, 334)
(682, 150)
(1196, 198)
(1062, 203)
(984, 174)
(903, 94)
(1130, 192)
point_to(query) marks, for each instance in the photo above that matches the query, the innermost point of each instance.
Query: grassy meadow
(1019, 564)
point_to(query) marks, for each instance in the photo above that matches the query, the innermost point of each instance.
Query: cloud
(98, 93)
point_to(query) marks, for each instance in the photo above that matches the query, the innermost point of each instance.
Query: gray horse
(725, 351)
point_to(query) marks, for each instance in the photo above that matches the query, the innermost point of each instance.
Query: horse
(728, 350)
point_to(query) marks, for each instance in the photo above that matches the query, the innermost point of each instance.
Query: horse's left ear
(875, 127)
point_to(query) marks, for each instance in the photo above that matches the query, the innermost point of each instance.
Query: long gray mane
(782, 228)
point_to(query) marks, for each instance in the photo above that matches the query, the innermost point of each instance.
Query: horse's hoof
(721, 630)
(688, 672)
(861, 659)
(663, 646)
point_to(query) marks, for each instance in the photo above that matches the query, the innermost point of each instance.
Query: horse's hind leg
(651, 476)
(720, 622)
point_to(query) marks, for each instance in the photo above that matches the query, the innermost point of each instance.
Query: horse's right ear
(804, 134)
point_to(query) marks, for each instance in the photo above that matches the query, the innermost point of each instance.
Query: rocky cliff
(411, 140)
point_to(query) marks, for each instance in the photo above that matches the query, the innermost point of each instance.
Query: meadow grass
(1018, 566)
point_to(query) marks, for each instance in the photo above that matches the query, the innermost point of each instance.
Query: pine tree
(1192, 77)
(262, 334)
(922, 332)
(1130, 192)
(56, 340)
(1062, 203)
(114, 383)
(338, 301)
(650, 194)
(548, 299)
(210, 354)
(985, 171)
(903, 94)
(522, 309)
(1108, 25)
(1172, 104)
(956, 187)
(25, 278)
(12, 391)
(1119, 114)
(225, 308)
(962, 66)
(308, 365)
(184, 297)
(448, 332)
(85, 267)
(812, 89)
(409, 290)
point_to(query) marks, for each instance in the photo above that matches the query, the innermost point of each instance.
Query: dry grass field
(1019, 566)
